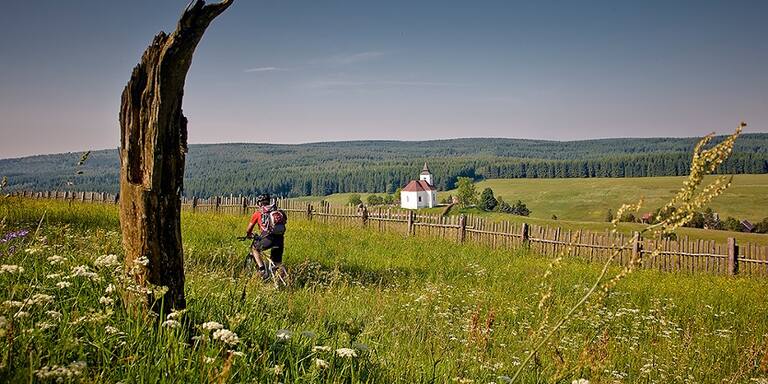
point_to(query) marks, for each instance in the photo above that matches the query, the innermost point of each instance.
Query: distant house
(647, 217)
(419, 193)
(747, 226)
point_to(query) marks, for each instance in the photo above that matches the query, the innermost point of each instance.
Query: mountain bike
(271, 271)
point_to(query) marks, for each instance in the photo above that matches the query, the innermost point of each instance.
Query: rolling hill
(383, 166)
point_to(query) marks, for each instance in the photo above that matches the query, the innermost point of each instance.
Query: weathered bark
(153, 146)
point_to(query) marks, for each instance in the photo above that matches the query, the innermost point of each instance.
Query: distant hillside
(383, 166)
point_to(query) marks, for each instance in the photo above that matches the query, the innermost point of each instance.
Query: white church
(419, 193)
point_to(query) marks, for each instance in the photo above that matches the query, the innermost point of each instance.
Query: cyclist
(271, 227)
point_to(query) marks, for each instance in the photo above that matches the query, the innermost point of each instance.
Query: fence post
(245, 205)
(410, 223)
(218, 204)
(194, 203)
(525, 234)
(462, 228)
(733, 257)
(309, 211)
(364, 215)
(637, 248)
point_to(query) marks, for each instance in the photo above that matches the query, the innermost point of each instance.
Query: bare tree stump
(153, 146)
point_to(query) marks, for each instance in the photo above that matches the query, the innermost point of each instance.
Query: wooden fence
(682, 254)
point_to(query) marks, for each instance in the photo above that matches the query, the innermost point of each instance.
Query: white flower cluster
(321, 348)
(212, 326)
(284, 334)
(226, 336)
(580, 381)
(346, 352)
(55, 259)
(110, 330)
(105, 261)
(171, 324)
(108, 301)
(40, 299)
(60, 373)
(5, 268)
(63, 284)
(320, 363)
(143, 261)
(84, 271)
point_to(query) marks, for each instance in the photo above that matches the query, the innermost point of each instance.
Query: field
(583, 203)
(408, 310)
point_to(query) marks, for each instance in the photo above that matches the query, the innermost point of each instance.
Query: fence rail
(681, 254)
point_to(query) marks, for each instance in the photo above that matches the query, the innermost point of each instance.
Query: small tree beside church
(466, 192)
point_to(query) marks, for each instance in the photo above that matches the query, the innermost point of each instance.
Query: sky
(283, 71)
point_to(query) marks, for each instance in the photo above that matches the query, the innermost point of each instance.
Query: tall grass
(410, 309)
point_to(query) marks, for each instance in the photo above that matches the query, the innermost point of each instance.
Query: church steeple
(426, 175)
(425, 170)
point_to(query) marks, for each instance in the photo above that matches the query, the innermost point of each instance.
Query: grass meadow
(583, 203)
(362, 306)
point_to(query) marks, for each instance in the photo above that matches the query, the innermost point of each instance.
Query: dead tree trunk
(153, 146)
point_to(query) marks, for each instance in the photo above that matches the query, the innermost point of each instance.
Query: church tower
(426, 175)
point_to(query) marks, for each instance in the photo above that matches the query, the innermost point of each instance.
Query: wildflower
(320, 363)
(175, 315)
(14, 235)
(21, 315)
(106, 261)
(43, 325)
(53, 314)
(61, 373)
(321, 348)
(55, 259)
(226, 336)
(13, 304)
(110, 289)
(278, 369)
(63, 284)
(208, 360)
(580, 381)
(10, 269)
(41, 299)
(212, 326)
(171, 324)
(84, 271)
(346, 352)
(284, 334)
(53, 276)
(108, 301)
(235, 353)
(143, 261)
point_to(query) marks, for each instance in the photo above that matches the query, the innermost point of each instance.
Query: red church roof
(418, 186)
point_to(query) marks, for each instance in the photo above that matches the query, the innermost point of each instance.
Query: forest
(383, 166)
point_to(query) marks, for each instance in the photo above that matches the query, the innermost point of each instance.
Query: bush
(487, 201)
(354, 199)
(466, 192)
(374, 200)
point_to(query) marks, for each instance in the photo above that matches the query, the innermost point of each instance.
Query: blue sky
(303, 71)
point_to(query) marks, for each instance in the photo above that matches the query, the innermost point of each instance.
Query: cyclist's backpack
(275, 220)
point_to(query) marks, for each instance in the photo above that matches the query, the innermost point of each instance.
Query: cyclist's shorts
(273, 242)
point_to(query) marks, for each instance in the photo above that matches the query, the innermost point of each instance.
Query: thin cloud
(352, 58)
(331, 84)
(264, 69)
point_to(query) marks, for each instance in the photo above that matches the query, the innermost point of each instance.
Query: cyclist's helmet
(263, 199)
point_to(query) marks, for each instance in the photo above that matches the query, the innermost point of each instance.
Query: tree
(487, 201)
(761, 227)
(609, 215)
(503, 206)
(374, 200)
(732, 224)
(354, 199)
(466, 192)
(520, 209)
(153, 146)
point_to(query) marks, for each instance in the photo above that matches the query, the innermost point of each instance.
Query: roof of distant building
(418, 186)
(425, 170)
